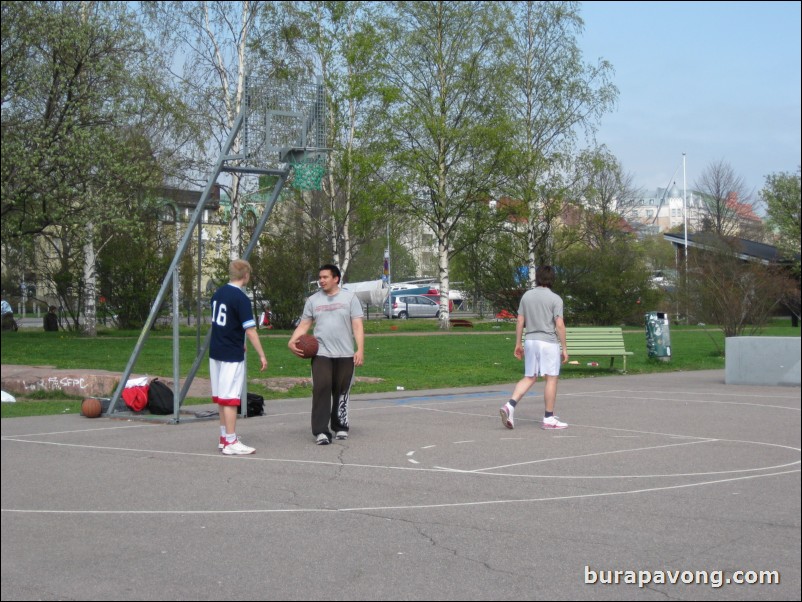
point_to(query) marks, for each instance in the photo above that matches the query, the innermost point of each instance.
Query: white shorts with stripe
(541, 358)
(228, 379)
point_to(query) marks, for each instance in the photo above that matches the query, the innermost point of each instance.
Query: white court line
(436, 469)
(219, 456)
(706, 393)
(105, 428)
(388, 508)
(604, 453)
(564, 497)
(591, 477)
(685, 401)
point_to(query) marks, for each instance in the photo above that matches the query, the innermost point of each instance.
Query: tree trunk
(90, 283)
(442, 245)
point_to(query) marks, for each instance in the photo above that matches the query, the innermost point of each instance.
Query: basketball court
(670, 476)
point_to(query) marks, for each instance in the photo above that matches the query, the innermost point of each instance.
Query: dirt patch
(19, 380)
(285, 383)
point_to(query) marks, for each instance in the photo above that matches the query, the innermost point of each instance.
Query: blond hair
(239, 269)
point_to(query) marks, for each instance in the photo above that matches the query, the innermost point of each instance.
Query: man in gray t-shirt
(337, 315)
(540, 340)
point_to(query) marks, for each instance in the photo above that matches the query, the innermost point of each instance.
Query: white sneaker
(237, 449)
(322, 439)
(553, 423)
(341, 435)
(506, 416)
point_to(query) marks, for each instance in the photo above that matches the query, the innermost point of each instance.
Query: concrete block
(762, 361)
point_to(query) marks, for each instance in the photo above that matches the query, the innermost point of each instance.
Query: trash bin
(658, 336)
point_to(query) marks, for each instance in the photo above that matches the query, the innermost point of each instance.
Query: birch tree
(553, 97)
(444, 133)
(217, 45)
(343, 43)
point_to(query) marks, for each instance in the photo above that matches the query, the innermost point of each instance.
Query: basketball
(91, 408)
(308, 345)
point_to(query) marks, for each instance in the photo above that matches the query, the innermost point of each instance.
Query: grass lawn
(410, 353)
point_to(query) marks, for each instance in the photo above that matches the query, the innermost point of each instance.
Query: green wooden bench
(597, 342)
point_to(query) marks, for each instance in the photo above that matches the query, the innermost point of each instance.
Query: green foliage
(87, 124)
(723, 289)
(281, 270)
(658, 253)
(368, 265)
(130, 281)
(73, 110)
(783, 204)
(492, 269)
(605, 287)
(553, 95)
(446, 133)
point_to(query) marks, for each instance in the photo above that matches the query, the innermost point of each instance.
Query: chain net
(308, 175)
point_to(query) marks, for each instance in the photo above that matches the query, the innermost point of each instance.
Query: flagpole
(685, 211)
(685, 222)
(387, 269)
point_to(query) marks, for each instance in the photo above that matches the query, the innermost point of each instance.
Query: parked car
(435, 296)
(412, 306)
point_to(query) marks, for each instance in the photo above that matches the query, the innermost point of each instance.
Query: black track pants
(331, 384)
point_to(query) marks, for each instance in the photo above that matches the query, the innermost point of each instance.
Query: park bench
(597, 342)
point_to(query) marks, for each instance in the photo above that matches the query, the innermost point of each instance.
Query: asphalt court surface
(668, 477)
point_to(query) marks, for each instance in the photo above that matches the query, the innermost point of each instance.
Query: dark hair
(544, 276)
(335, 271)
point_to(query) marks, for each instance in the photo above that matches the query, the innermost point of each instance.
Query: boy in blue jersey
(232, 321)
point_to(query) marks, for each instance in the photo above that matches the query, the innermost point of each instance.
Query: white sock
(222, 431)
(231, 438)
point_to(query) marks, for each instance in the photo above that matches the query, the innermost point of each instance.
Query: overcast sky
(714, 80)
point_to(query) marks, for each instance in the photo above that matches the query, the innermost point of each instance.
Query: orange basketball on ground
(91, 407)
(308, 345)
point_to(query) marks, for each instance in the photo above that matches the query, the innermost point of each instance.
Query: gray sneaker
(341, 435)
(322, 439)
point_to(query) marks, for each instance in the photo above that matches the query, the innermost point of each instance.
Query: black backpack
(160, 398)
(256, 405)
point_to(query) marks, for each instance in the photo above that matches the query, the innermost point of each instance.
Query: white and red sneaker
(553, 423)
(222, 443)
(237, 448)
(506, 416)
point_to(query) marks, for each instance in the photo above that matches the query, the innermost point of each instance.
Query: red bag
(135, 395)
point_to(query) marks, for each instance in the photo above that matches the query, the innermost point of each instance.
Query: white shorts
(228, 379)
(541, 358)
